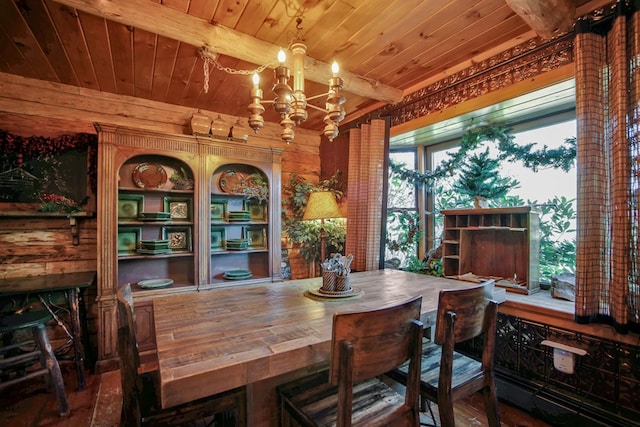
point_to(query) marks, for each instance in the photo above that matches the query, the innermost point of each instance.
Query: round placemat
(354, 293)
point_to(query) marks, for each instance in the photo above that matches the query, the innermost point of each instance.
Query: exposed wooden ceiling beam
(162, 20)
(547, 18)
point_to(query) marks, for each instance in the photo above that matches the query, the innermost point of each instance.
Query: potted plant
(304, 236)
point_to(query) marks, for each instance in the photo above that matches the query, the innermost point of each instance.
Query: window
(546, 118)
(401, 242)
(551, 191)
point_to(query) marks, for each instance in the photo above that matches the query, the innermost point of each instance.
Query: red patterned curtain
(608, 115)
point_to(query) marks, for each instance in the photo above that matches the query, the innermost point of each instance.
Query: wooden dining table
(215, 340)
(17, 291)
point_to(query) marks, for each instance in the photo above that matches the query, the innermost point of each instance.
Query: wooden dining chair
(448, 375)
(364, 345)
(140, 402)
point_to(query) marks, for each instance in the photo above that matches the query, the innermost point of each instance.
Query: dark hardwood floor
(99, 404)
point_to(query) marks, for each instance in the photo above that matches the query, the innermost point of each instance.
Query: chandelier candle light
(292, 104)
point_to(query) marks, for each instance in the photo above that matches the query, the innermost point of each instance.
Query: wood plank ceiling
(148, 48)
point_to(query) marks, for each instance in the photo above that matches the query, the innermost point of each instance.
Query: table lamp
(322, 205)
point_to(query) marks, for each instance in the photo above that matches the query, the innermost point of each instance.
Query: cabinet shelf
(218, 223)
(153, 190)
(151, 223)
(496, 243)
(195, 223)
(247, 251)
(159, 256)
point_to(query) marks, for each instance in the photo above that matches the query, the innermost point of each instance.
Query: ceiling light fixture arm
(291, 103)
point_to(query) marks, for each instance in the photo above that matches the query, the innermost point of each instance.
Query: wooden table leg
(78, 356)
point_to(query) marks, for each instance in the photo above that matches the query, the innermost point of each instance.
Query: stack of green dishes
(237, 274)
(154, 216)
(237, 244)
(154, 247)
(239, 216)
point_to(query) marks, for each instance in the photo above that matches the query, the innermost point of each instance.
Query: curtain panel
(365, 192)
(608, 159)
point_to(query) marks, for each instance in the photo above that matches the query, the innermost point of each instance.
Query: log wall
(34, 246)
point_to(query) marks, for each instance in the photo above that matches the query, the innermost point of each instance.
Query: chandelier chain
(212, 60)
(230, 70)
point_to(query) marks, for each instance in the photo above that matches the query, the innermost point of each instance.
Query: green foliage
(562, 157)
(416, 265)
(257, 188)
(479, 177)
(307, 233)
(557, 251)
(404, 225)
(296, 193)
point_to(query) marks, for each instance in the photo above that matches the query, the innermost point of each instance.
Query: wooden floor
(99, 404)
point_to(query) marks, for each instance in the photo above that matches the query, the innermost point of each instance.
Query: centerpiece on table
(335, 273)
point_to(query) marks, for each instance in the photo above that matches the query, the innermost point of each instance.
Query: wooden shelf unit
(195, 265)
(501, 242)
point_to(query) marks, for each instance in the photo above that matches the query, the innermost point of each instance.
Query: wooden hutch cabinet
(500, 242)
(173, 217)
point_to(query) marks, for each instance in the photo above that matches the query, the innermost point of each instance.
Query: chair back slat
(129, 357)
(469, 305)
(380, 339)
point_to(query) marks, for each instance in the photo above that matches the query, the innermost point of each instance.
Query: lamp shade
(322, 205)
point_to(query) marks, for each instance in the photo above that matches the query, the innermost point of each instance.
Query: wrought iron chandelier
(292, 104)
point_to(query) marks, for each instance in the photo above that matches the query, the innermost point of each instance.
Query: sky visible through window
(547, 182)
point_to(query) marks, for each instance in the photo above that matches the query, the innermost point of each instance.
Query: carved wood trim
(521, 63)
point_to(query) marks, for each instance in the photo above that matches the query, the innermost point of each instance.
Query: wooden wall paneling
(37, 18)
(97, 40)
(229, 89)
(23, 38)
(389, 40)
(315, 34)
(144, 50)
(451, 34)
(277, 20)
(69, 31)
(121, 43)
(203, 8)
(255, 14)
(195, 86)
(12, 61)
(228, 12)
(184, 66)
(166, 54)
(46, 241)
(415, 75)
(180, 5)
(25, 126)
(334, 155)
